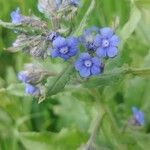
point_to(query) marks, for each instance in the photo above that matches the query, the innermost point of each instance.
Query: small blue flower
(87, 65)
(88, 38)
(138, 116)
(64, 47)
(29, 77)
(22, 76)
(16, 16)
(32, 90)
(106, 43)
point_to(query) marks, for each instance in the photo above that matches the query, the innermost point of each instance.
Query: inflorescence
(86, 52)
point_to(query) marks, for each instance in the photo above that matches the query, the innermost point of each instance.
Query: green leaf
(65, 139)
(72, 119)
(11, 75)
(20, 28)
(143, 3)
(131, 25)
(5, 120)
(57, 84)
(115, 76)
(142, 140)
(83, 22)
(106, 79)
(16, 89)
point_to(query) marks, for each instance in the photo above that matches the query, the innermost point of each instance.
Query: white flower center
(105, 43)
(88, 63)
(64, 50)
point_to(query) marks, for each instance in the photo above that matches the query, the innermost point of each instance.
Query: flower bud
(16, 17)
(32, 90)
(36, 46)
(138, 117)
(31, 21)
(35, 23)
(48, 7)
(52, 36)
(33, 74)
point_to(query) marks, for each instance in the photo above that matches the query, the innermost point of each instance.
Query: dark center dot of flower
(105, 43)
(88, 63)
(64, 50)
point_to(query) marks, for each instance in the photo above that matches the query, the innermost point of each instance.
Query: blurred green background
(64, 122)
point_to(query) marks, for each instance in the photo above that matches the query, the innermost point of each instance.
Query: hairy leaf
(131, 25)
(66, 139)
(56, 84)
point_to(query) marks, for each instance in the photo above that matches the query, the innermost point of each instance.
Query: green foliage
(65, 139)
(56, 84)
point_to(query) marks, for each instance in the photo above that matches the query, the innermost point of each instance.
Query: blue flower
(87, 65)
(32, 90)
(23, 76)
(64, 47)
(106, 43)
(88, 38)
(16, 16)
(138, 116)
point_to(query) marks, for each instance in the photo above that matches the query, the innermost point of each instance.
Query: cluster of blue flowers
(88, 50)
(98, 44)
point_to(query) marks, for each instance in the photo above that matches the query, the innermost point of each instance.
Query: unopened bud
(33, 74)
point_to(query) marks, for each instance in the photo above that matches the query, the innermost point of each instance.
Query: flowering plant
(66, 55)
(39, 40)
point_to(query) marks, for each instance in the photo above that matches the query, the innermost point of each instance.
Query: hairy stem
(20, 28)
(97, 125)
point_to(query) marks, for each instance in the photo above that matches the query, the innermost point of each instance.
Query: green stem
(106, 109)
(20, 28)
(114, 76)
(97, 125)
(83, 22)
(115, 133)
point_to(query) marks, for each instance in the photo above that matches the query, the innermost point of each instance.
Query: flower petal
(95, 70)
(96, 61)
(101, 52)
(84, 56)
(114, 40)
(59, 42)
(65, 57)
(78, 65)
(112, 51)
(85, 72)
(98, 40)
(106, 32)
(54, 53)
(72, 51)
(72, 42)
